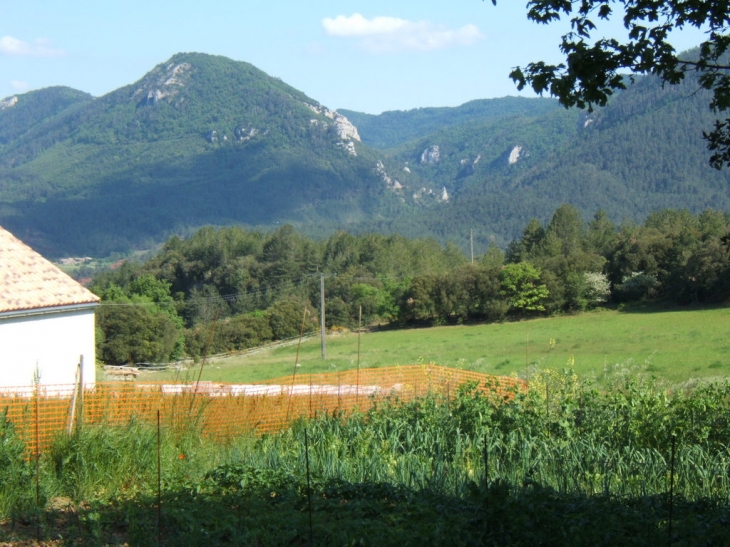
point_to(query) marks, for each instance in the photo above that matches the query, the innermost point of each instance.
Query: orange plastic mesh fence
(227, 410)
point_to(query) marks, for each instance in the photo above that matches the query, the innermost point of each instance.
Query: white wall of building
(51, 342)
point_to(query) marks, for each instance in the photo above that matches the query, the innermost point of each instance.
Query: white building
(46, 320)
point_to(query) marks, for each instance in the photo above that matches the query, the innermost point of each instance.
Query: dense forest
(229, 289)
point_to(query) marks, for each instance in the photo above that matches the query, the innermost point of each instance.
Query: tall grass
(16, 473)
(564, 445)
(582, 441)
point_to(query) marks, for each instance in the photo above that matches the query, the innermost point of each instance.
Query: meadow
(675, 345)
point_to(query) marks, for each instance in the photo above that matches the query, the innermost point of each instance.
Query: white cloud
(387, 34)
(357, 25)
(19, 85)
(17, 48)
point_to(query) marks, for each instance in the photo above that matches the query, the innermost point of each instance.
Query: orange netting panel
(227, 410)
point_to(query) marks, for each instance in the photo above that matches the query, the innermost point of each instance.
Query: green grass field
(674, 345)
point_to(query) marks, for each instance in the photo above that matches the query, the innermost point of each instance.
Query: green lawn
(674, 345)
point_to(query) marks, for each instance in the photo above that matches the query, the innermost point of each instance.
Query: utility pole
(471, 241)
(321, 315)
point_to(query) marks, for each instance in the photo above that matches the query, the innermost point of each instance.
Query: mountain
(642, 152)
(203, 139)
(21, 119)
(198, 140)
(393, 128)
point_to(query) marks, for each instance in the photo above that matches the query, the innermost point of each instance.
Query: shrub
(597, 288)
(285, 318)
(636, 286)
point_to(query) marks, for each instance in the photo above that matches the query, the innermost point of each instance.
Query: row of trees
(229, 289)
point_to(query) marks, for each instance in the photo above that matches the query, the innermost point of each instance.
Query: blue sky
(367, 56)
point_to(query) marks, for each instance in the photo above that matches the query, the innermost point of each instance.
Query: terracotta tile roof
(28, 281)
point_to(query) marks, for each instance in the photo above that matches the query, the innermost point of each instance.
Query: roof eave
(48, 310)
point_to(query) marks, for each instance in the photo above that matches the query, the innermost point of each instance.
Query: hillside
(393, 128)
(203, 140)
(603, 345)
(47, 107)
(199, 140)
(641, 153)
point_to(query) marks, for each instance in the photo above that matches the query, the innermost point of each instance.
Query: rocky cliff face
(164, 82)
(345, 131)
(342, 126)
(514, 155)
(431, 155)
(390, 182)
(8, 103)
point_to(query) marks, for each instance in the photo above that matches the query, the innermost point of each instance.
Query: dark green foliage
(676, 255)
(135, 333)
(639, 154)
(601, 234)
(289, 318)
(592, 71)
(237, 333)
(205, 305)
(470, 292)
(236, 289)
(138, 320)
(380, 514)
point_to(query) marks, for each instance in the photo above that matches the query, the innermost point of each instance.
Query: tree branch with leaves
(594, 69)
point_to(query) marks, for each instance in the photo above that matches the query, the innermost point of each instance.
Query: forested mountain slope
(199, 140)
(206, 140)
(393, 128)
(641, 153)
